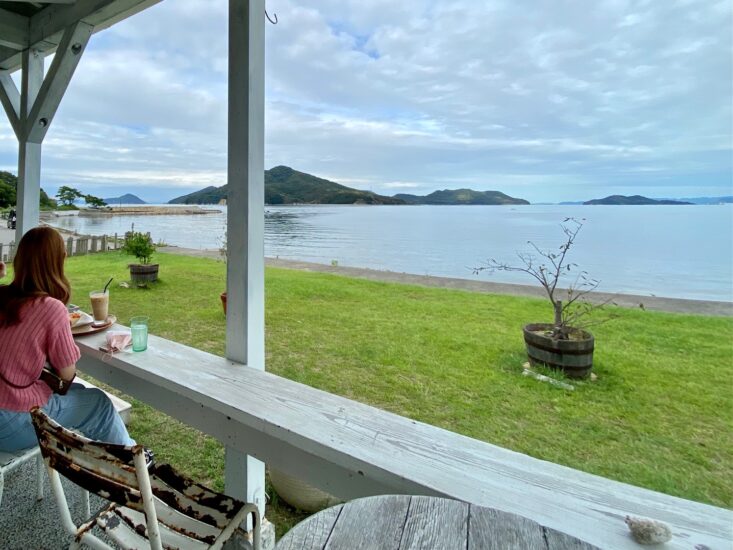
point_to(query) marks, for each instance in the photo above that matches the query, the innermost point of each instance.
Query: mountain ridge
(127, 198)
(284, 185)
(632, 200)
(461, 197)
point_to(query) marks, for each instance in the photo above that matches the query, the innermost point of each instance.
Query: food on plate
(74, 317)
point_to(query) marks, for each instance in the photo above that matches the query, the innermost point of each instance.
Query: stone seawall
(146, 211)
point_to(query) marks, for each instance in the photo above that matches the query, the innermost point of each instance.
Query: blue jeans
(87, 410)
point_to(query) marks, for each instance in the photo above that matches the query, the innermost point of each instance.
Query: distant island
(461, 196)
(633, 200)
(284, 185)
(127, 198)
(707, 200)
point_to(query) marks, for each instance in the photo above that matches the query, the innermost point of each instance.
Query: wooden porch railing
(352, 450)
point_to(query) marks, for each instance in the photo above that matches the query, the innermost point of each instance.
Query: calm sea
(673, 251)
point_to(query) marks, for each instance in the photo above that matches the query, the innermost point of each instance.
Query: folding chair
(151, 505)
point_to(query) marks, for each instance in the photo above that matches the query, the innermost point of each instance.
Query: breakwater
(146, 211)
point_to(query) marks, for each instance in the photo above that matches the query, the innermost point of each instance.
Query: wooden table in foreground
(402, 522)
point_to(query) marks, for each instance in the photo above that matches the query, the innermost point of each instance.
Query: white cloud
(538, 103)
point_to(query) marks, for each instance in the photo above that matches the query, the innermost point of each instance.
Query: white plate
(84, 320)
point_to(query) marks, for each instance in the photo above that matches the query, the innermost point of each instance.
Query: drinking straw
(105, 286)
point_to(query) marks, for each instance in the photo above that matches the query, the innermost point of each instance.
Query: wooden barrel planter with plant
(142, 247)
(573, 356)
(143, 273)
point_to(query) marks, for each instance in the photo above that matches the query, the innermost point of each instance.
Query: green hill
(283, 185)
(461, 196)
(632, 200)
(8, 189)
(127, 198)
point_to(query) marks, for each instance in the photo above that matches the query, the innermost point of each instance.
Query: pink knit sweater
(43, 334)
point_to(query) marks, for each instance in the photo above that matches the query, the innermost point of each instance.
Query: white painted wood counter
(354, 450)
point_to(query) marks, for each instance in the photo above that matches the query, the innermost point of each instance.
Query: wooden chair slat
(182, 534)
(182, 493)
(101, 485)
(104, 460)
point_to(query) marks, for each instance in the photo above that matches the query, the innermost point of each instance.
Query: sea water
(672, 251)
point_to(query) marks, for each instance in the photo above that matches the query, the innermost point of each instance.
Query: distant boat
(222, 202)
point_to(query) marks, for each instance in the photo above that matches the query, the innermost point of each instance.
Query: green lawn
(659, 415)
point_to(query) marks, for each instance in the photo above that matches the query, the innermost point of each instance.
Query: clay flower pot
(223, 297)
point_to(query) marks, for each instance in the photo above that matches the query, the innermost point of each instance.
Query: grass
(658, 416)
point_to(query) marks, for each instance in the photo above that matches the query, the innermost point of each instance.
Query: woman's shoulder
(51, 305)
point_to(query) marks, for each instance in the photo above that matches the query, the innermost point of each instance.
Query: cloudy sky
(548, 100)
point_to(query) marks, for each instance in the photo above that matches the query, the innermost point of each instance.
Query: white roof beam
(47, 25)
(67, 57)
(100, 13)
(14, 30)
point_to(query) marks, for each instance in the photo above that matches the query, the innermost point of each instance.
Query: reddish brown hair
(38, 271)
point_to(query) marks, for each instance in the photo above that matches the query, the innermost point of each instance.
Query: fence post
(2, 258)
(103, 248)
(11, 252)
(116, 242)
(70, 246)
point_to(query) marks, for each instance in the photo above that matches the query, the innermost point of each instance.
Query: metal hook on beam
(274, 22)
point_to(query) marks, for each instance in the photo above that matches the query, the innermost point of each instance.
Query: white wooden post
(29, 153)
(245, 333)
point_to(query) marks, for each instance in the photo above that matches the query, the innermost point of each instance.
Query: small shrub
(139, 245)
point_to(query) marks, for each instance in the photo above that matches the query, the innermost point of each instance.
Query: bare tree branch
(549, 268)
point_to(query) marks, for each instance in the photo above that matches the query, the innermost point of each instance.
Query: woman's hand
(2, 270)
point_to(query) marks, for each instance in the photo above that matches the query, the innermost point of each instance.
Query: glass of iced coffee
(100, 305)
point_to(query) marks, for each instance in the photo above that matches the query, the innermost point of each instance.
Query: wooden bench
(11, 461)
(353, 450)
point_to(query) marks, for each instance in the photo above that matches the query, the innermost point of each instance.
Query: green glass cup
(139, 330)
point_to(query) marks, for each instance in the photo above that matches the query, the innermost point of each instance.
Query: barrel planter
(573, 356)
(143, 273)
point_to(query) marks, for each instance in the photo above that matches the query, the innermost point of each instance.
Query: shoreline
(651, 303)
(135, 211)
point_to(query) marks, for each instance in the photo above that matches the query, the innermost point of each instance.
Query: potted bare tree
(564, 344)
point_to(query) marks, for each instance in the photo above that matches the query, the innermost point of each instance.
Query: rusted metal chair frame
(142, 498)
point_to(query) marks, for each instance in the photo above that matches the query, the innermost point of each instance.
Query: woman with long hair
(35, 330)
